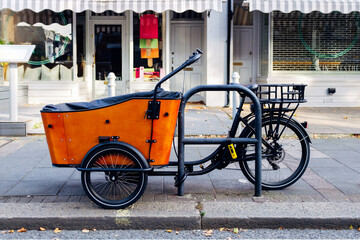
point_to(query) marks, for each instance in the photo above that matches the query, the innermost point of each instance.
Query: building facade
(312, 42)
(275, 41)
(78, 45)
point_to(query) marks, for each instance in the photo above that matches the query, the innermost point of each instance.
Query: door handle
(190, 69)
(250, 53)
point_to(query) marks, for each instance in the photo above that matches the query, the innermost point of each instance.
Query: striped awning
(305, 6)
(114, 5)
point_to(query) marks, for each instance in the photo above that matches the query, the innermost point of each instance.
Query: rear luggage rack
(281, 93)
(277, 100)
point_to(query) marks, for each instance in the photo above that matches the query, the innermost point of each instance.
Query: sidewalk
(34, 194)
(207, 121)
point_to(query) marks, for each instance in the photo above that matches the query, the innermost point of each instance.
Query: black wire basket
(281, 93)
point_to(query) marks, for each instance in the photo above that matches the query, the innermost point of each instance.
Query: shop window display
(50, 32)
(148, 47)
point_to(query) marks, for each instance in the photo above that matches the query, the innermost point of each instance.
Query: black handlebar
(192, 59)
(196, 56)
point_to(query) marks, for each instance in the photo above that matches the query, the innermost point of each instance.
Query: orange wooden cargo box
(72, 129)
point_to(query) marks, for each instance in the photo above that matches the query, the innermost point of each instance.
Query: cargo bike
(118, 142)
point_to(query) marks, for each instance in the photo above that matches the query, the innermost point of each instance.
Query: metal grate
(316, 41)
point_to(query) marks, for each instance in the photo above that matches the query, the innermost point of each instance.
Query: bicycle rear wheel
(285, 151)
(114, 189)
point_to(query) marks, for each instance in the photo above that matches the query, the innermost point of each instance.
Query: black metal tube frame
(182, 141)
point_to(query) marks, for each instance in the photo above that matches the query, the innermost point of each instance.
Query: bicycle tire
(114, 190)
(290, 160)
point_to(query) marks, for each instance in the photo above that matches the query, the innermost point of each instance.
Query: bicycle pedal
(275, 166)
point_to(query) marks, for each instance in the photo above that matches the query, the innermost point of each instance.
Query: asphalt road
(226, 234)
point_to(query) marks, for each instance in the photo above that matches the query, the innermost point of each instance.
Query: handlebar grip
(196, 56)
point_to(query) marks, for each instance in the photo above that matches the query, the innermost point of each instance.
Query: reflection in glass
(50, 32)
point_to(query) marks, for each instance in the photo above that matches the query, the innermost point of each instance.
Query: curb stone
(178, 215)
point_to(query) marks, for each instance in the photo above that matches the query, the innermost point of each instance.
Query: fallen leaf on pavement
(351, 227)
(208, 233)
(221, 229)
(11, 231)
(236, 230)
(57, 230)
(94, 229)
(85, 230)
(3, 232)
(42, 229)
(21, 230)
(281, 228)
(359, 229)
(169, 231)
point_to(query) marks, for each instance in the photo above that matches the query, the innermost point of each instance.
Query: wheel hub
(112, 177)
(278, 154)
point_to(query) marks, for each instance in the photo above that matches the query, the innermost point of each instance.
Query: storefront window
(316, 42)
(264, 44)
(148, 47)
(51, 33)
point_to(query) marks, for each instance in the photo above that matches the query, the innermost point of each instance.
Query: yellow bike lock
(232, 151)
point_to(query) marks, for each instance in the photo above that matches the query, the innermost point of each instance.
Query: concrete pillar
(215, 29)
(13, 78)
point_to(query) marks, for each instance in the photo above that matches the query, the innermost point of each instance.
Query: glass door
(107, 50)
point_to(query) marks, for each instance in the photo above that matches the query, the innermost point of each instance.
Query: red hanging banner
(149, 27)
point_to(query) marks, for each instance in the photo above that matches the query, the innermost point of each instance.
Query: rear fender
(301, 127)
(296, 122)
(116, 144)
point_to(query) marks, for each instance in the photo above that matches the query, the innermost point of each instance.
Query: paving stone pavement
(27, 176)
(32, 190)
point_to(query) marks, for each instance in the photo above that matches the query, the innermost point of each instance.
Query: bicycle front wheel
(285, 153)
(114, 189)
